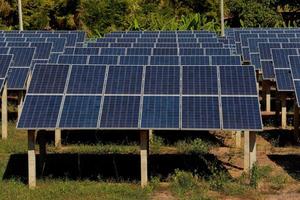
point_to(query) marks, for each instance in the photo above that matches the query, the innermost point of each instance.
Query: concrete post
(150, 135)
(20, 15)
(238, 139)
(31, 159)
(283, 112)
(296, 121)
(267, 95)
(4, 112)
(144, 147)
(57, 138)
(249, 150)
(222, 18)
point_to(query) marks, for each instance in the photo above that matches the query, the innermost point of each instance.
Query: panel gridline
(16, 78)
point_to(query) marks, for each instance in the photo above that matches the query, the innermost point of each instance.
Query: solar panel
(5, 61)
(191, 51)
(40, 111)
(35, 39)
(295, 66)
(166, 45)
(120, 112)
(125, 45)
(22, 56)
(80, 111)
(243, 115)
(195, 60)
(297, 91)
(200, 112)
(226, 60)
(217, 51)
(199, 80)
(139, 51)
(16, 79)
(164, 60)
(73, 59)
(86, 79)
(42, 50)
(126, 40)
(144, 45)
(71, 39)
(97, 44)
(280, 57)
(58, 44)
(49, 79)
(105, 60)
(113, 51)
(124, 80)
(267, 69)
(284, 80)
(191, 45)
(238, 80)
(134, 60)
(165, 51)
(86, 51)
(255, 60)
(160, 112)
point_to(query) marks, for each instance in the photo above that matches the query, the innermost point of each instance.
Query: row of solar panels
(141, 97)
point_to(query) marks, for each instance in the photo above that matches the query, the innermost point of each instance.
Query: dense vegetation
(101, 16)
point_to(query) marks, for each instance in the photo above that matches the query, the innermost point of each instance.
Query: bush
(196, 146)
(156, 143)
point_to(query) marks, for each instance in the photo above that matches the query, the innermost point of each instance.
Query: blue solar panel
(265, 49)
(164, 60)
(86, 79)
(291, 45)
(165, 51)
(35, 39)
(166, 45)
(191, 45)
(166, 40)
(195, 60)
(113, 51)
(200, 80)
(295, 66)
(226, 60)
(40, 112)
(134, 60)
(160, 112)
(17, 44)
(86, 51)
(17, 77)
(146, 40)
(124, 80)
(73, 59)
(267, 69)
(105, 60)
(200, 113)
(241, 113)
(17, 39)
(70, 37)
(106, 40)
(238, 80)
(80, 111)
(120, 112)
(191, 51)
(246, 53)
(253, 43)
(4, 50)
(42, 50)
(162, 80)
(53, 58)
(255, 60)
(284, 80)
(187, 40)
(98, 44)
(281, 57)
(58, 44)
(5, 61)
(126, 40)
(206, 40)
(217, 51)
(297, 91)
(22, 56)
(125, 45)
(139, 51)
(49, 79)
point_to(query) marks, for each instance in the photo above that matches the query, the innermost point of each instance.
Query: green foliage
(258, 173)
(196, 146)
(156, 143)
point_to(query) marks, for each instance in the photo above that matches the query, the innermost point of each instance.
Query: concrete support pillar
(31, 159)
(296, 121)
(20, 102)
(4, 112)
(238, 139)
(249, 150)
(144, 149)
(57, 139)
(283, 112)
(267, 92)
(150, 135)
(43, 152)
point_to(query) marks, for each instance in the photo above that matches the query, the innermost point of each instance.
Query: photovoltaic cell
(255, 60)
(80, 111)
(191, 51)
(200, 112)
(238, 80)
(139, 51)
(86, 79)
(120, 112)
(195, 60)
(5, 61)
(295, 66)
(86, 51)
(134, 60)
(281, 57)
(49, 79)
(160, 112)
(200, 80)
(241, 113)
(267, 69)
(162, 80)
(297, 91)
(113, 51)
(103, 60)
(22, 56)
(284, 80)
(226, 60)
(42, 50)
(16, 78)
(165, 51)
(73, 59)
(40, 111)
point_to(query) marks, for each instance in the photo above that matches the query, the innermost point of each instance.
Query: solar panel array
(270, 51)
(142, 80)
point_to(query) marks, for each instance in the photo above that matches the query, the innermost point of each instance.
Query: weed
(196, 146)
(156, 143)
(258, 173)
(278, 182)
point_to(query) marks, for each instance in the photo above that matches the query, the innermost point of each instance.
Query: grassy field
(187, 167)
